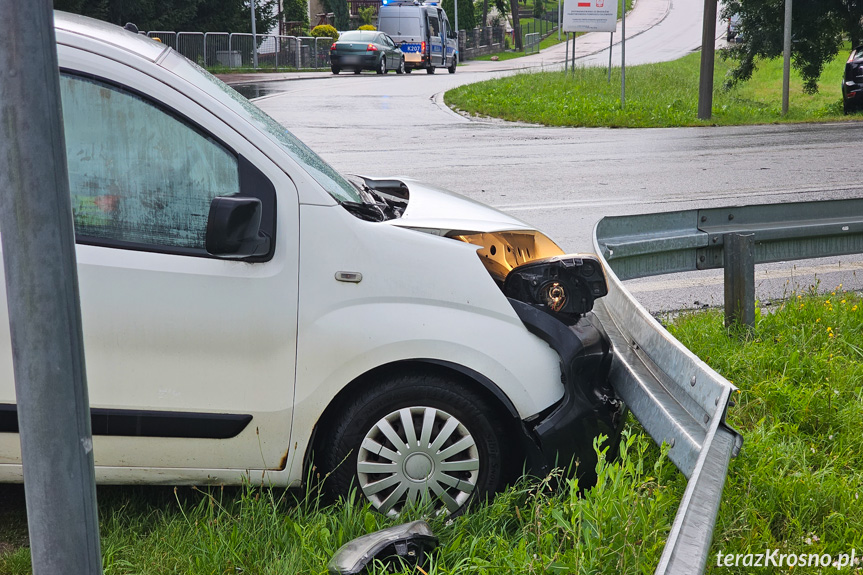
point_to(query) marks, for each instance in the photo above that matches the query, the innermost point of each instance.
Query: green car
(360, 50)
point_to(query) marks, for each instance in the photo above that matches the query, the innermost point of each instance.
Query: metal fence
(192, 45)
(540, 26)
(484, 36)
(531, 43)
(166, 38)
(221, 50)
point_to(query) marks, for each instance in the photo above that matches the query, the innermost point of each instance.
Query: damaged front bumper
(564, 434)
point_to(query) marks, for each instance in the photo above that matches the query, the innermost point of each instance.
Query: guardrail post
(739, 263)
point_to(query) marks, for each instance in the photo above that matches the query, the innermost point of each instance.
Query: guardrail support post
(739, 254)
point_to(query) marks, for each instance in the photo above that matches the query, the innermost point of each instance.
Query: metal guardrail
(676, 396)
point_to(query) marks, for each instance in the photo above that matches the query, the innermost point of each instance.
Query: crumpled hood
(434, 208)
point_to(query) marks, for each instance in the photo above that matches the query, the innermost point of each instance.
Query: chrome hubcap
(416, 454)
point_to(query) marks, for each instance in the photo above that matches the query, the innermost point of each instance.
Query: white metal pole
(566, 58)
(559, 19)
(623, 58)
(786, 66)
(254, 38)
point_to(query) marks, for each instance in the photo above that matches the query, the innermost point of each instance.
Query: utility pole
(254, 38)
(708, 48)
(786, 66)
(42, 297)
(456, 26)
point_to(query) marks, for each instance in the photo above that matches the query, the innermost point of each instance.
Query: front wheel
(452, 66)
(336, 69)
(401, 68)
(416, 439)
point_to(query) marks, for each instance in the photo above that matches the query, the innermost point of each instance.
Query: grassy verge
(794, 487)
(797, 483)
(657, 95)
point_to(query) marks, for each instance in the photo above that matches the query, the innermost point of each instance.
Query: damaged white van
(248, 312)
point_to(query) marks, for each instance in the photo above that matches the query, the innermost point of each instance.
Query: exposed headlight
(562, 285)
(501, 252)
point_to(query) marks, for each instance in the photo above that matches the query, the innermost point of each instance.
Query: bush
(367, 27)
(325, 31)
(366, 15)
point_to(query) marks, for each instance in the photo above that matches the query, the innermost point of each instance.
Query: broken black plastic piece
(407, 544)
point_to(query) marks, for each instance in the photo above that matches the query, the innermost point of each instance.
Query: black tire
(430, 70)
(382, 67)
(847, 107)
(357, 70)
(455, 415)
(454, 64)
(401, 68)
(408, 70)
(336, 69)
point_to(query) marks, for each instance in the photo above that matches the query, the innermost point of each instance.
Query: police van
(422, 31)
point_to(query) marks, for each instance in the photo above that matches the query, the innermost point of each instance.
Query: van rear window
(390, 25)
(409, 27)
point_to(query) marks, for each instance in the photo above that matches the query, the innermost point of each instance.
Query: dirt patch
(13, 519)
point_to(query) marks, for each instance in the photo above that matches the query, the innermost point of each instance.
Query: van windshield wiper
(372, 212)
(374, 206)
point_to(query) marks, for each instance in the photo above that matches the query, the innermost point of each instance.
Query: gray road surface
(563, 179)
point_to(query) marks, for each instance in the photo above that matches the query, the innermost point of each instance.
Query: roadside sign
(589, 15)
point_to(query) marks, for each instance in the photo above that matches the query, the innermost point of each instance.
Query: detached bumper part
(408, 543)
(589, 407)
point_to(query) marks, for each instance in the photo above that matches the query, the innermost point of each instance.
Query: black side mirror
(234, 228)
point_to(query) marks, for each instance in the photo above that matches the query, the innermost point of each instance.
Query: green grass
(794, 487)
(797, 483)
(618, 526)
(657, 95)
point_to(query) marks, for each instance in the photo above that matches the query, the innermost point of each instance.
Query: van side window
(139, 176)
(434, 26)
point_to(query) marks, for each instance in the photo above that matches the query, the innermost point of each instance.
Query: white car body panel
(434, 208)
(275, 339)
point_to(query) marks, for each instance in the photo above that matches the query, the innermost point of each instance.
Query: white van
(423, 32)
(250, 314)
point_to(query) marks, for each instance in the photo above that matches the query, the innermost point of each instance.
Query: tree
(466, 15)
(178, 15)
(516, 24)
(296, 11)
(818, 30)
(342, 17)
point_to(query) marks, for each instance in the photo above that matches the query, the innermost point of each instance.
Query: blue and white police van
(423, 32)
